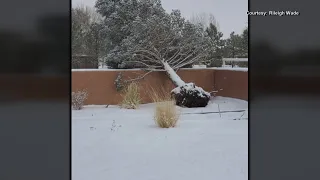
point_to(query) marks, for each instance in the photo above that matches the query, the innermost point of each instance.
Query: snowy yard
(119, 144)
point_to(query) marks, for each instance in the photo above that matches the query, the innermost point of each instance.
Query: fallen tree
(141, 34)
(168, 42)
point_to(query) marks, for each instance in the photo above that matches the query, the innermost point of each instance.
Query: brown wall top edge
(157, 70)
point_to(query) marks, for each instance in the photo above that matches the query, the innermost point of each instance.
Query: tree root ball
(189, 95)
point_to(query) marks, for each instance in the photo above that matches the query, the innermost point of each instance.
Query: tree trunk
(186, 94)
(177, 81)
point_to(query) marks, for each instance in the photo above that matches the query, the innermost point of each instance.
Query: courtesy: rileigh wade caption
(273, 13)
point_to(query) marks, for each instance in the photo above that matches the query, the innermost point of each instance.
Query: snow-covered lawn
(119, 144)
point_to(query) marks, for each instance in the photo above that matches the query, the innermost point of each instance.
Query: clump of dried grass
(166, 114)
(131, 96)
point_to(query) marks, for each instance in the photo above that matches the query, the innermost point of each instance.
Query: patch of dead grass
(131, 96)
(166, 114)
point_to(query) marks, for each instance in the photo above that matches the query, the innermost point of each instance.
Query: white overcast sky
(230, 14)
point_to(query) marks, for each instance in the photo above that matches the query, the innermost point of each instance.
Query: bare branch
(182, 55)
(148, 52)
(204, 19)
(141, 77)
(149, 58)
(185, 59)
(174, 56)
(147, 65)
(190, 62)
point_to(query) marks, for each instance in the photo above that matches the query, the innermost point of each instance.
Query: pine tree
(79, 27)
(217, 44)
(244, 43)
(86, 31)
(233, 46)
(119, 19)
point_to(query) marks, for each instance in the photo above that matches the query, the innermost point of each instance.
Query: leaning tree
(167, 42)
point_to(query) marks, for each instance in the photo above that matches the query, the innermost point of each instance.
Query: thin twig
(147, 65)
(139, 78)
(219, 110)
(242, 115)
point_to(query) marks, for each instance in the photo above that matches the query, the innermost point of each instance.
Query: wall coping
(215, 68)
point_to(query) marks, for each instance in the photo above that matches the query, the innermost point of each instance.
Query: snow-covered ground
(119, 144)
